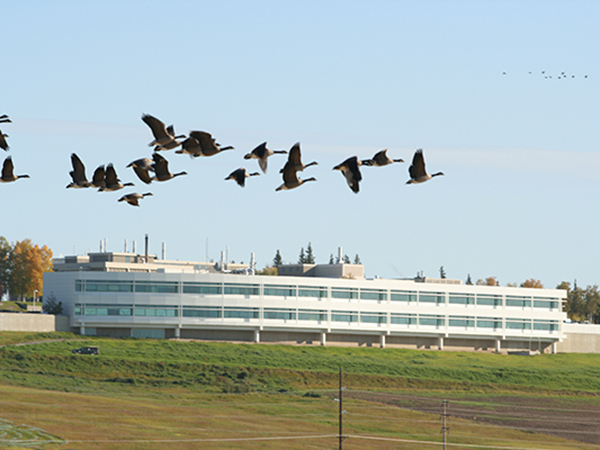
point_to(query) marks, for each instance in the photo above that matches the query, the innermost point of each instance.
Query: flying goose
(134, 198)
(98, 179)
(161, 168)
(417, 169)
(8, 172)
(141, 167)
(4, 119)
(350, 170)
(112, 183)
(262, 153)
(202, 144)
(164, 137)
(290, 177)
(78, 174)
(380, 159)
(295, 159)
(240, 175)
(3, 144)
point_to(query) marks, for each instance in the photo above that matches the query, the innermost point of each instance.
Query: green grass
(160, 394)
(222, 367)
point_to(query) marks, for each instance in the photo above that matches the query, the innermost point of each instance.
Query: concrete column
(82, 329)
(498, 345)
(256, 336)
(323, 339)
(441, 343)
(382, 341)
(178, 332)
(554, 348)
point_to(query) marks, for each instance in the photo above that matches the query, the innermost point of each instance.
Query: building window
(489, 300)
(164, 287)
(545, 303)
(279, 314)
(142, 333)
(431, 320)
(312, 315)
(232, 312)
(312, 291)
(518, 324)
(102, 310)
(105, 286)
(377, 317)
(461, 321)
(155, 311)
(344, 316)
(209, 312)
(545, 325)
(432, 297)
(404, 296)
(462, 299)
(489, 322)
(373, 294)
(241, 289)
(403, 319)
(518, 302)
(203, 288)
(345, 294)
(279, 291)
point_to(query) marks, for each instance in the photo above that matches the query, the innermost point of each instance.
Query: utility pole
(444, 415)
(341, 438)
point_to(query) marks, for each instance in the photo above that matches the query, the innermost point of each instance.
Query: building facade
(196, 304)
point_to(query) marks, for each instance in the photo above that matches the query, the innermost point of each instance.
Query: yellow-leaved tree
(28, 264)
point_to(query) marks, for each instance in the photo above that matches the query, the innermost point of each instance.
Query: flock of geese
(201, 143)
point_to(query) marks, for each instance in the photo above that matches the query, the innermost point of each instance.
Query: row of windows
(217, 312)
(173, 287)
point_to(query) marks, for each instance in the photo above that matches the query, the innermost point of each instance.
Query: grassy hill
(246, 390)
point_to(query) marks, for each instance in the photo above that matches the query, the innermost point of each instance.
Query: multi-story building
(128, 295)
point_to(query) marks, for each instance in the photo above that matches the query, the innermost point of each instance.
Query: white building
(163, 299)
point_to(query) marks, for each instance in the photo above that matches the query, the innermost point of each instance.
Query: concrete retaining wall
(581, 338)
(33, 322)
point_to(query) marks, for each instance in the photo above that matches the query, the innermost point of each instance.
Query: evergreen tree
(357, 259)
(331, 260)
(302, 257)
(347, 260)
(277, 261)
(469, 281)
(442, 272)
(309, 258)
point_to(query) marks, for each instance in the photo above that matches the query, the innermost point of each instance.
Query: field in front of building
(170, 394)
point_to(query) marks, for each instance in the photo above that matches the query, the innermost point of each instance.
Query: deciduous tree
(29, 262)
(489, 281)
(268, 270)
(5, 261)
(532, 283)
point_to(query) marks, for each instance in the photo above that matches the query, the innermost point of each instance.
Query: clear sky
(463, 80)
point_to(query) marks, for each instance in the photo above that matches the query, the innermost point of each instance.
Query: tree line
(22, 267)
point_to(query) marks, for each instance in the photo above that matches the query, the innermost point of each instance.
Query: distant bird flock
(201, 143)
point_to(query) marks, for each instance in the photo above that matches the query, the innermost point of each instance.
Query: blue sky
(520, 152)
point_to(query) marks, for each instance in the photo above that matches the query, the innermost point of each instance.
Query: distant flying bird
(78, 174)
(202, 144)
(164, 137)
(350, 170)
(295, 160)
(262, 153)
(380, 159)
(112, 182)
(4, 119)
(134, 198)
(417, 171)
(98, 180)
(8, 172)
(142, 167)
(3, 144)
(161, 168)
(240, 175)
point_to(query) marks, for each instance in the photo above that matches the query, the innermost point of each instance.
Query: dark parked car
(86, 350)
